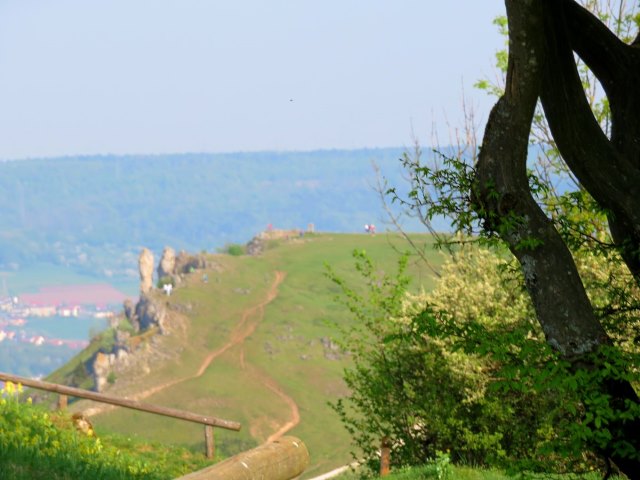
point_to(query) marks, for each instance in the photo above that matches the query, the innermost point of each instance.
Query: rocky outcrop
(100, 369)
(145, 266)
(331, 349)
(136, 355)
(103, 363)
(167, 265)
(186, 263)
(255, 246)
(129, 309)
(150, 312)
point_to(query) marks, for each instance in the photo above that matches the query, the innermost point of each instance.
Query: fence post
(62, 402)
(385, 456)
(209, 442)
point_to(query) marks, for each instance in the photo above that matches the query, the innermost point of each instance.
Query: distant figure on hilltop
(145, 265)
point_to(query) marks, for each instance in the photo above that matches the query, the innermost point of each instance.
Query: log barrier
(282, 459)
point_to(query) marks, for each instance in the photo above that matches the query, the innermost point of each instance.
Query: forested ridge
(95, 212)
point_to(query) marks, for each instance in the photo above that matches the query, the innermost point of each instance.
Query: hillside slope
(254, 344)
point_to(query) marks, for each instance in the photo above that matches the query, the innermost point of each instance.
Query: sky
(172, 76)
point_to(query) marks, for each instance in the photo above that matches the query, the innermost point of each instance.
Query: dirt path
(272, 385)
(239, 334)
(244, 328)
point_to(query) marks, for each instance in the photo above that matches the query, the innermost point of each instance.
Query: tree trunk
(502, 193)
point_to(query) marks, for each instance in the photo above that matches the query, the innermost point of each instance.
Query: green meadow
(279, 349)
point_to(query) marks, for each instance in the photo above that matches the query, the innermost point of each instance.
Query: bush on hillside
(234, 249)
(463, 369)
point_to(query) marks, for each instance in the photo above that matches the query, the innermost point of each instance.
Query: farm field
(259, 349)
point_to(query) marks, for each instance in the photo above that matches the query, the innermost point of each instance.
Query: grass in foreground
(465, 473)
(35, 444)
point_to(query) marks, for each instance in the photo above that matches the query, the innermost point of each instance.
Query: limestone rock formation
(100, 369)
(255, 246)
(150, 312)
(185, 263)
(167, 265)
(145, 265)
(129, 309)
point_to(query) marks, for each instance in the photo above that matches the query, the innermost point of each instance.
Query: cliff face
(103, 363)
(150, 312)
(133, 355)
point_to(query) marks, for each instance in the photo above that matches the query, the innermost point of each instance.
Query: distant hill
(251, 339)
(94, 213)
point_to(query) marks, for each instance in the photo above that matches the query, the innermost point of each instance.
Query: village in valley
(16, 313)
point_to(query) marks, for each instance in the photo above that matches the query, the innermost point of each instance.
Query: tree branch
(608, 173)
(602, 51)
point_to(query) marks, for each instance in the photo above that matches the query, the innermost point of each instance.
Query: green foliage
(235, 249)
(419, 389)
(33, 446)
(466, 369)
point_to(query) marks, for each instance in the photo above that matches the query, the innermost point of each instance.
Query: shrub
(463, 369)
(235, 249)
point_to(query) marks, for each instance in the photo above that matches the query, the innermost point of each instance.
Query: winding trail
(238, 335)
(272, 385)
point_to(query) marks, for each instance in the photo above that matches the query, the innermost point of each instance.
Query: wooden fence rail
(63, 391)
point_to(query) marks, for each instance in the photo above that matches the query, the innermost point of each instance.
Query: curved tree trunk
(541, 64)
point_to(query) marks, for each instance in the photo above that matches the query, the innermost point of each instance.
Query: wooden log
(209, 442)
(121, 402)
(283, 459)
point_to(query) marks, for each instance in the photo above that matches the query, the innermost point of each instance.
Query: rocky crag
(138, 342)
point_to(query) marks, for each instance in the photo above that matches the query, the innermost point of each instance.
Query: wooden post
(209, 442)
(385, 456)
(62, 402)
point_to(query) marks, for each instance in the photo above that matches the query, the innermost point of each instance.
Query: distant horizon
(225, 152)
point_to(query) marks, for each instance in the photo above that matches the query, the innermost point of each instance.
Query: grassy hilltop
(257, 348)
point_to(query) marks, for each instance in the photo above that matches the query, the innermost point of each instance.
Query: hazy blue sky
(157, 76)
